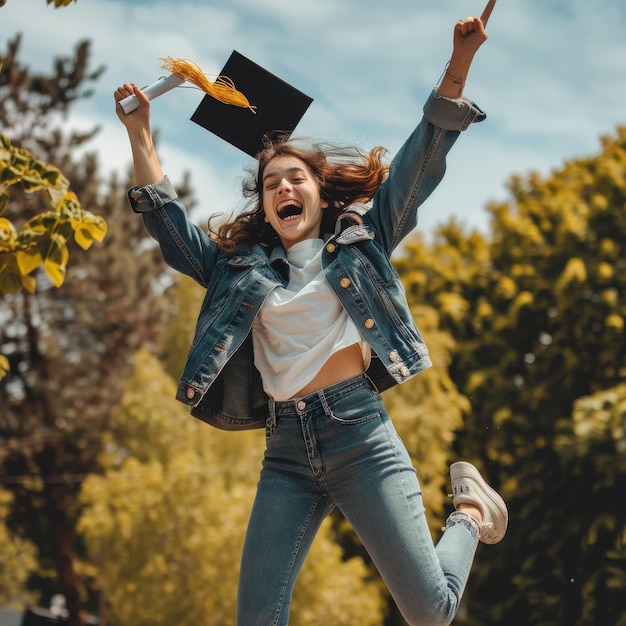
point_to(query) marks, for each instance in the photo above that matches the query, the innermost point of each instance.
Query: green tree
(70, 348)
(165, 524)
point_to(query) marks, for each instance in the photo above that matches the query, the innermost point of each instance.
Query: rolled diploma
(166, 83)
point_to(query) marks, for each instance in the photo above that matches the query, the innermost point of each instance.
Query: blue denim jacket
(219, 382)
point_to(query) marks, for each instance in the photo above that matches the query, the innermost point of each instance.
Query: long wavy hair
(345, 175)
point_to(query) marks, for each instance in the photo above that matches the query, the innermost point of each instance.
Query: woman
(303, 325)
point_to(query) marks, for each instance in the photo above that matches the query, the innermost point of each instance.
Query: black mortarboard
(279, 107)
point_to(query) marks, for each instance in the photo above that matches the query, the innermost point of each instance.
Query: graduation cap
(264, 105)
(277, 107)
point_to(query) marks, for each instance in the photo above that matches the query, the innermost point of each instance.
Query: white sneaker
(469, 487)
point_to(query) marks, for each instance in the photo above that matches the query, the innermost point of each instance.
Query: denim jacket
(220, 383)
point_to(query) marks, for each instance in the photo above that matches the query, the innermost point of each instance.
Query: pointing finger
(484, 18)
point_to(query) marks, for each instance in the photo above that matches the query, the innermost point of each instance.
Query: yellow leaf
(615, 321)
(10, 279)
(28, 262)
(575, 272)
(55, 271)
(56, 262)
(4, 366)
(29, 283)
(88, 230)
(69, 206)
(8, 233)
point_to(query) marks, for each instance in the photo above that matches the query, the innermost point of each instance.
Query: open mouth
(289, 209)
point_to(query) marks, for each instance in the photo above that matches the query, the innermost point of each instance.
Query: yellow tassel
(223, 89)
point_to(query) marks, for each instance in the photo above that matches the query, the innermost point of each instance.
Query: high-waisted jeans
(338, 448)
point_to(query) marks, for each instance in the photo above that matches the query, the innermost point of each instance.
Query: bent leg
(383, 503)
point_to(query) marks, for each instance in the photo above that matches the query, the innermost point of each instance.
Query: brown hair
(345, 176)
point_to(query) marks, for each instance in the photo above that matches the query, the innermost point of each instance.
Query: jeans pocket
(358, 406)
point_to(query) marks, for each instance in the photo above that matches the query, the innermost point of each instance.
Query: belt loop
(270, 425)
(371, 382)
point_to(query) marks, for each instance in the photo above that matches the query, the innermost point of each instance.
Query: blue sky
(552, 78)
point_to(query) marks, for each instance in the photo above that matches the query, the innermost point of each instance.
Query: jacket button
(393, 356)
(190, 393)
(369, 323)
(344, 282)
(331, 247)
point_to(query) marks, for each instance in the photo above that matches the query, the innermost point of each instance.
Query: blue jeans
(338, 448)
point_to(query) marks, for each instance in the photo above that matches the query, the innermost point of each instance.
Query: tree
(591, 448)
(41, 240)
(537, 312)
(71, 348)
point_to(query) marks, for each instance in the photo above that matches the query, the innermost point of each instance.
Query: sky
(551, 78)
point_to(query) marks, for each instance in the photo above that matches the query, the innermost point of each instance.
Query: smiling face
(291, 200)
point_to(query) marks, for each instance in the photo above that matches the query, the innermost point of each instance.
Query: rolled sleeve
(151, 197)
(450, 114)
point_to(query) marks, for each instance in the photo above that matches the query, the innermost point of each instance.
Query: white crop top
(300, 326)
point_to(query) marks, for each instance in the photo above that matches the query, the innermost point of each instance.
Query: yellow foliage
(610, 296)
(453, 304)
(506, 288)
(42, 240)
(605, 271)
(523, 299)
(484, 309)
(608, 247)
(17, 561)
(4, 366)
(8, 235)
(599, 202)
(575, 272)
(615, 322)
(601, 417)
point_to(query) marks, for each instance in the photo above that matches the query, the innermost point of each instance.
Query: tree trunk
(62, 535)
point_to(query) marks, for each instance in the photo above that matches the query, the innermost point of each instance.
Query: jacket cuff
(150, 197)
(451, 114)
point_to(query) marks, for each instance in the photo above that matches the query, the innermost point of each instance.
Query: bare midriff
(342, 365)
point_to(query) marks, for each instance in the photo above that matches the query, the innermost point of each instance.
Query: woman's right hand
(140, 117)
(145, 160)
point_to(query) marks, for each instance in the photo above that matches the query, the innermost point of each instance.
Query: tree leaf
(10, 279)
(28, 261)
(90, 229)
(56, 260)
(4, 366)
(8, 234)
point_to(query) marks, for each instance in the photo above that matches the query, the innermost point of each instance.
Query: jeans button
(301, 405)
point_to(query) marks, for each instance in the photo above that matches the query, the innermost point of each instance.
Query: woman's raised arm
(469, 35)
(146, 163)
